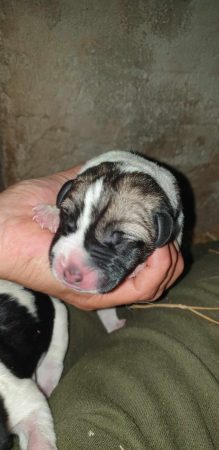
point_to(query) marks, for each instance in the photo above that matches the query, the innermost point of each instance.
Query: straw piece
(212, 250)
(193, 309)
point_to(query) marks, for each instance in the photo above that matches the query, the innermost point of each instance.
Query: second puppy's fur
(33, 342)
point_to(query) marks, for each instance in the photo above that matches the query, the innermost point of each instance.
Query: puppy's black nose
(73, 275)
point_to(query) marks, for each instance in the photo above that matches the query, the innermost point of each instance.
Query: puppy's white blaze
(91, 199)
(66, 244)
(24, 298)
(132, 163)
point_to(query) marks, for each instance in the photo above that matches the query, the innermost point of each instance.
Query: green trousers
(151, 385)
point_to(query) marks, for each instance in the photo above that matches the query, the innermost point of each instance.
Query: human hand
(24, 248)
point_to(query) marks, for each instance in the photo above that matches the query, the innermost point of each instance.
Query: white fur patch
(109, 319)
(66, 244)
(92, 197)
(22, 297)
(49, 370)
(131, 163)
(29, 413)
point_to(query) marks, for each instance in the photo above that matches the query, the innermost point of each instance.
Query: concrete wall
(80, 77)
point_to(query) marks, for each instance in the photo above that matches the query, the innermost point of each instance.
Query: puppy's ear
(164, 224)
(63, 192)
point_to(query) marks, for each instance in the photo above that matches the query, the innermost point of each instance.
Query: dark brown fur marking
(127, 204)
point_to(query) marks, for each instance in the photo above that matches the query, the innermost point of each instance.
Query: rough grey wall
(80, 77)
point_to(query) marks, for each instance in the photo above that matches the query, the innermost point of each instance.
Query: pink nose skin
(75, 272)
(73, 275)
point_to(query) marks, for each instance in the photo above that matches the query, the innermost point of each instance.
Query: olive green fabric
(153, 384)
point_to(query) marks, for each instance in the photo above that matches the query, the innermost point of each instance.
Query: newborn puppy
(113, 215)
(109, 219)
(34, 337)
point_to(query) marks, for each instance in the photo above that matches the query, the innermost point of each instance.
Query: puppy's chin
(104, 283)
(81, 291)
(100, 290)
(73, 286)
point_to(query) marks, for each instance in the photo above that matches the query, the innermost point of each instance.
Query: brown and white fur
(109, 219)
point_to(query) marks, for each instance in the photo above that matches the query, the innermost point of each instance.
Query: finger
(174, 254)
(171, 261)
(158, 267)
(176, 267)
(178, 270)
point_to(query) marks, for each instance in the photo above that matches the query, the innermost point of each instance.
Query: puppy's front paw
(110, 320)
(46, 216)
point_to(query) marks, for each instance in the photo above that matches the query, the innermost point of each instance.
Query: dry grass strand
(194, 309)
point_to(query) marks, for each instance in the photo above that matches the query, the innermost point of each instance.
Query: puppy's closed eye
(114, 238)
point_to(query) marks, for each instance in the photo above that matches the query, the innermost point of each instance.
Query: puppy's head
(110, 221)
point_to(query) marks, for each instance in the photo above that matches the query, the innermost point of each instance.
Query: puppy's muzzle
(75, 270)
(98, 271)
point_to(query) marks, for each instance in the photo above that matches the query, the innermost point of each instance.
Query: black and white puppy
(33, 343)
(109, 219)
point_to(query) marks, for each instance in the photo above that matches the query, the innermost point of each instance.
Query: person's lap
(151, 385)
